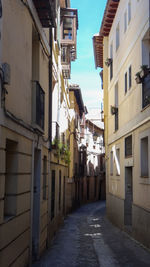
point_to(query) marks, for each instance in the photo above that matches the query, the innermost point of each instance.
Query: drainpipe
(49, 132)
(50, 87)
(31, 205)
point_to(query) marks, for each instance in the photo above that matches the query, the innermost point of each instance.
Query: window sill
(144, 180)
(127, 157)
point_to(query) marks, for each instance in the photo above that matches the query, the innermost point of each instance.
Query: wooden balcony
(46, 10)
(69, 26)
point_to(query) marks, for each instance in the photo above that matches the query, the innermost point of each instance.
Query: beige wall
(133, 119)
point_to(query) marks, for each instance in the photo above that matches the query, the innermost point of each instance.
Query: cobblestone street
(87, 238)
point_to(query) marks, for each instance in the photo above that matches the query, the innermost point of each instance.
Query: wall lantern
(102, 116)
(108, 62)
(95, 136)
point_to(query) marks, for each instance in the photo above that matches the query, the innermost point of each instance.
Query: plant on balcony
(66, 154)
(113, 110)
(108, 62)
(138, 77)
(55, 143)
(62, 150)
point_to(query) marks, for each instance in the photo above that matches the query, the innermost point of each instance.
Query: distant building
(94, 181)
(122, 49)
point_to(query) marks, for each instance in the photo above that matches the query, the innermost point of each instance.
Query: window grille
(38, 105)
(130, 77)
(146, 91)
(125, 82)
(128, 146)
(53, 195)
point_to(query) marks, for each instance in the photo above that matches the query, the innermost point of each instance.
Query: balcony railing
(55, 130)
(146, 91)
(38, 106)
(46, 10)
(66, 69)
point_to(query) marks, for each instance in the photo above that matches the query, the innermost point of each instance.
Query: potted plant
(144, 71)
(138, 77)
(108, 61)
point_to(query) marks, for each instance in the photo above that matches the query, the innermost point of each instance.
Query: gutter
(50, 88)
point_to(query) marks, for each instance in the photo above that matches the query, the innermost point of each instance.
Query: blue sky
(83, 72)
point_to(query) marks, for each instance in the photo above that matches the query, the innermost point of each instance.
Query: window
(59, 189)
(116, 105)
(125, 82)
(44, 177)
(111, 64)
(125, 21)
(117, 37)
(144, 157)
(117, 161)
(129, 11)
(38, 105)
(10, 179)
(128, 146)
(146, 91)
(130, 77)
(111, 163)
(0, 9)
(38, 95)
(53, 195)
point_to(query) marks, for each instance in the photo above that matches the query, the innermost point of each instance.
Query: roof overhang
(46, 11)
(77, 91)
(108, 18)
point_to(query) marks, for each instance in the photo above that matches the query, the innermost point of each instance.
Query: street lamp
(95, 136)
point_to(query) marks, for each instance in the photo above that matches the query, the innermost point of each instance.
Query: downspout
(31, 205)
(50, 132)
(50, 87)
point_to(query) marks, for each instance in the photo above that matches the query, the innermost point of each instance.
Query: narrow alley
(87, 238)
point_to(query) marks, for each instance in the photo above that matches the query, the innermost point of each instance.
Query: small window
(117, 161)
(53, 195)
(130, 77)
(111, 163)
(44, 177)
(146, 91)
(111, 64)
(59, 189)
(116, 105)
(125, 82)
(0, 9)
(129, 11)
(38, 105)
(128, 146)
(117, 37)
(10, 179)
(144, 157)
(125, 21)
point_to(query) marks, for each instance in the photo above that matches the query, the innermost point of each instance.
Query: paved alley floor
(88, 239)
